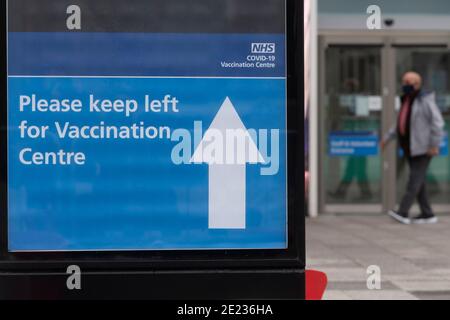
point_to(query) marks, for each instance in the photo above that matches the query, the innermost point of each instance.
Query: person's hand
(434, 151)
(382, 145)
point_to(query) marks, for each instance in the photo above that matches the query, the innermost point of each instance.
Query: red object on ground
(316, 283)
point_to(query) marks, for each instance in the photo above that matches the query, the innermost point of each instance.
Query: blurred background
(352, 95)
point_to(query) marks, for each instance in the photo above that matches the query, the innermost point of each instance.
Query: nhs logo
(263, 47)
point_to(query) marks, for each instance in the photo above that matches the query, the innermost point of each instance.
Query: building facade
(358, 52)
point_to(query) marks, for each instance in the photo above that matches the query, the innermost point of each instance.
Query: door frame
(388, 42)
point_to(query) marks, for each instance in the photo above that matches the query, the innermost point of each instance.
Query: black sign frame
(121, 262)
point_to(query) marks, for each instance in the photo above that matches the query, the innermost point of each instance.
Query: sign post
(152, 145)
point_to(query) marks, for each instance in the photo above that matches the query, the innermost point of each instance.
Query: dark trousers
(417, 185)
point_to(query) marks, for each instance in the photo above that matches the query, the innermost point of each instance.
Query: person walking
(419, 131)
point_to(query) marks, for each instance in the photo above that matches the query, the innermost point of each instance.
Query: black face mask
(408, 89)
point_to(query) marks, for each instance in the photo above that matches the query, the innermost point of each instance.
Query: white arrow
(226, 147)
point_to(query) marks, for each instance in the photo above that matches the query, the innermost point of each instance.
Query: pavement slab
(414, 259)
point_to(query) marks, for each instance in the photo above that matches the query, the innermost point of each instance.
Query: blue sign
(443, 147)
(354, 143)
(146, 141)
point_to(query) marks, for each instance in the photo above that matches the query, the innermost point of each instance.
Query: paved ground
(414, 259)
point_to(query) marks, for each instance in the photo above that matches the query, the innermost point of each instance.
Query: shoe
(425, 219)
(402, 218)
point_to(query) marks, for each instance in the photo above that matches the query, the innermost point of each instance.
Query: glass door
(433, 64)
(351, 108)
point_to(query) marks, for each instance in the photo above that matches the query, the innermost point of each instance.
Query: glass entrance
(360, 88)
(351, 106)
(433, 64)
